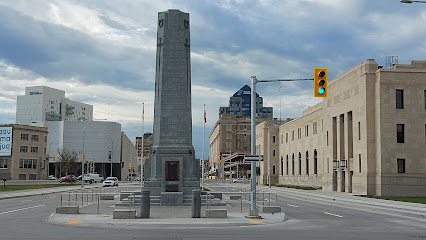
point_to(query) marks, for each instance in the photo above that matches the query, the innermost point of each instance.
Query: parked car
(93, 177)
(68, 179)
(110, 182)
(238, 180)
(51, 177)
(79, 178)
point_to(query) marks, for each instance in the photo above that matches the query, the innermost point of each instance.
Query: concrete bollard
(145, 204)
(196, 203)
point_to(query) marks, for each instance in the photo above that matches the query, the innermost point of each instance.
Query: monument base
(171, 199)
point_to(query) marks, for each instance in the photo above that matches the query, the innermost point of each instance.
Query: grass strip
(296, 187)
(401, 199)
(28, 187)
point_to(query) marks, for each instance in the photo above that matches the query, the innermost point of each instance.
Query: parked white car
(110, 182)
(51, 177)
(238, 180)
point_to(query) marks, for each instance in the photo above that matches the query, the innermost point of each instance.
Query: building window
(273, 169)
(33, 177)
(34, 137)
(34, 149)
(273, 139)
(425, 99)
(292, 164)
(24, 136)
(307, 162)
(3, 163)
(401, 165)
(300, 164)
(399, 99)
(359, 162)
(292, 135)
(28, 163)
(22, 176)
(314, 127)
(315, 162)
(282, 166)
(327, 138)
(286, 137)
(400, 133)
(281, 139)
(23, 149)
(273, 153)
(359, 130)
(286, 165)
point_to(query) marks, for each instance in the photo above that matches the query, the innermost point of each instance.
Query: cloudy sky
(103, 52)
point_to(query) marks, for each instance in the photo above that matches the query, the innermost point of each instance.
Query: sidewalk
(349, 199)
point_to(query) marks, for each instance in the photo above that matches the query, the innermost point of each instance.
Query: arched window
(300, 164)
(286, 166)
(292, 164)
(282, 166)
(315, 162)
(307, 162)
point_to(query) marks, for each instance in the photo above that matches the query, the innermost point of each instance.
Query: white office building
(41, 103)
(100, 141)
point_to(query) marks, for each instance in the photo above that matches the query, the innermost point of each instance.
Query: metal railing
(262, 198)
(89, 197)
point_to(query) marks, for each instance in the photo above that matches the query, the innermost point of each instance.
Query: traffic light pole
(254, 81)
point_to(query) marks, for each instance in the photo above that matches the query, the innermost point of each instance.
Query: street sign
(253, 158)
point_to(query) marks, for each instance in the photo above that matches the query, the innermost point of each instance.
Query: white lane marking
(292, 205)
(26, 201)
(333, 214)
(21, 209)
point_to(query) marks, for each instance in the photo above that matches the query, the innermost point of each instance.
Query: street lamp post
(82, 161)
(48, 159)
(112, 151)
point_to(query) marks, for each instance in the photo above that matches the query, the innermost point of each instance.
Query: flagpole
(202, 160)
(142, 140)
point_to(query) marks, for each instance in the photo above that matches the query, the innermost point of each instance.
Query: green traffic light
(321, 90)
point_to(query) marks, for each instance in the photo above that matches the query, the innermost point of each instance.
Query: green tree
(69, 161)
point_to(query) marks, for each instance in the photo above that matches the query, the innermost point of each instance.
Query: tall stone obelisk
(172, 171)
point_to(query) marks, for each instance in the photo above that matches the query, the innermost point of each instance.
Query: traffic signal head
(54, 157)
(320, 82)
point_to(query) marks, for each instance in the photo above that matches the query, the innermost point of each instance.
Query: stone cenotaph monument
(172, 171)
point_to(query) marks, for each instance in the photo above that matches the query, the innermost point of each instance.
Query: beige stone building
(148, 140)
(367, 137)
(230, 134)
(267, 137)
(27, 159)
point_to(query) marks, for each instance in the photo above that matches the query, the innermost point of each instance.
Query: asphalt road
(26, 218)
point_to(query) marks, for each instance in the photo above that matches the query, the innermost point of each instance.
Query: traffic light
(320, 82)
(130, 166)
(54, 157)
